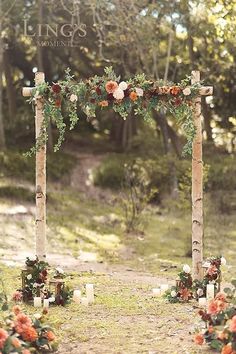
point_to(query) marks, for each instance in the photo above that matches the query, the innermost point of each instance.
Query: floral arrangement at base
(21, 334)
(220, 322)
(35, 283)
(186, 288)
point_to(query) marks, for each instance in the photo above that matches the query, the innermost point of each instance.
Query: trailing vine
(62, 100)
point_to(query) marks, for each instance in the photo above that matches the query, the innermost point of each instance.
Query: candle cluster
(84, 300)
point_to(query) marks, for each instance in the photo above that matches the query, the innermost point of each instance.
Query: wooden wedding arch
(197, 176)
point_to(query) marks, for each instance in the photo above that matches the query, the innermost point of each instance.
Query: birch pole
(197, 187)
(40, 175)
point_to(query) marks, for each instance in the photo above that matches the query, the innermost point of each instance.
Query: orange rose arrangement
(26, 335)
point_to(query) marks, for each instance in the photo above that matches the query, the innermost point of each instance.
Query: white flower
(60, 270)
(73, 98)
(118, 94)
(37, 316)
(173, 293)
(29, 276)
(123, 85)
(35, 285)
(223, 261)
(52, 299)
(139, 91)
(186, 91)
(199, 292)
(186, 268)
(32, 258)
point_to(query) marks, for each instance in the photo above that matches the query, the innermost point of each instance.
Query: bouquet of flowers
(220, 320)
(182, 292)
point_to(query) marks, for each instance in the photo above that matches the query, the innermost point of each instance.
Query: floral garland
(220, 322)
(35, 283)
(187, 289)
(22, 334)
(138, 94)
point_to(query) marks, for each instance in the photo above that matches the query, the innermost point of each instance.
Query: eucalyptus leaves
(63, 99)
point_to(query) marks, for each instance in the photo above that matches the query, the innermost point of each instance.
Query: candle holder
(57, 287)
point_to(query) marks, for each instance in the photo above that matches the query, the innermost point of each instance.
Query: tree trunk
(2, 133)
(11, 94)
(197, 188)
(40, 177)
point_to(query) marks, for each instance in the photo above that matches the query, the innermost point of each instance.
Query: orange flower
(30, 334)
(212, 270)
(232, 326)
(227, 349)
(103, 103)
(221, 305)
(199, 339)
(185, 294)
(133, 96)
(22, 321)
(111, 86)
(164, 90)
(3, 337)
(16, 310)
(50, 336)
(174, 90)
(26, 351)
(213, 307)
(16, 343)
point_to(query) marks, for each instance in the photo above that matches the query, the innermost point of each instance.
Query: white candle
(77, 296)
(90, 293)
(164, 287)
(202, 301)
(37, 302)
(46, 303)
(84, 301)
(156, 292)
(210, 291)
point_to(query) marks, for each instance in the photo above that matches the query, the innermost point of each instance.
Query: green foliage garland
(138, 94)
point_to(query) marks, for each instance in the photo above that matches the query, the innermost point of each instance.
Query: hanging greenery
(62, 100)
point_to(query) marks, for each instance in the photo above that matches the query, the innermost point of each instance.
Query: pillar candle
(202, 301)
(84, 301)
(164, 287)
(156, 292)
(77, 296)
(210, 291)
(46, 303)
(90, 293)
(37, 302)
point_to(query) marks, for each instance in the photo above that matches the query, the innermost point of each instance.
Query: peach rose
(111, 86)
(50, 336)
(22, 321)
(174, 90)
(133, 96)
(227, 349)
(212, 270)
(3, 337)
(222, 335)
(199, 339)
(103, 103)
(213, 307)
(16, 343)
(16, 310)
(30, 334)
(220, 296)
(185, 294)
(25, 351)
(232, 326)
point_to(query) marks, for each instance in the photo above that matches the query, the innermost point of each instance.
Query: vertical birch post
(197, 187)
(40, 181)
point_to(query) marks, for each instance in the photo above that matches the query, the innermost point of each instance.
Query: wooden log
(197, 188)
(27, 91)
(40, 176)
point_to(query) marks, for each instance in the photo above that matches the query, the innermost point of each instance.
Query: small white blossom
(37, 316)
(199, 292)
(73, 98)
(32, 258)
(186, 268)
(139, 91)
(173, 293)
(187, 91)
(223, 261)
(52, 299)
(35, 285)
(123, 85)
(60, 270)
(118, 94)
(29, 276)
